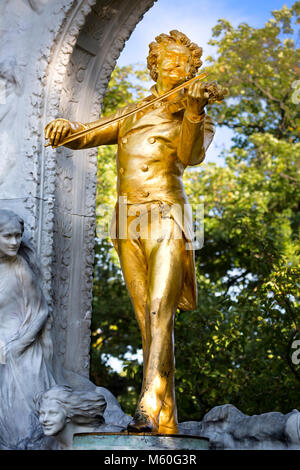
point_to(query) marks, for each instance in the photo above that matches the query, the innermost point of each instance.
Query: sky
(196, 19)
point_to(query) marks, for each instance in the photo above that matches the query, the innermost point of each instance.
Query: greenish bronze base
(143, 441)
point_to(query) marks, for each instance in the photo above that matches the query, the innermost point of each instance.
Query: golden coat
(154, 148)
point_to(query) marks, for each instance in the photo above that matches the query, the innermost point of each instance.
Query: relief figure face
(52, 417)
(10, 239)
(173, 66)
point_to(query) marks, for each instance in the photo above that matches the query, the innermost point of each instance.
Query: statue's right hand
(57, 130)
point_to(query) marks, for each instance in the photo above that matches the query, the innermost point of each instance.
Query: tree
(259, 66)
(248, 277)
(239, 339)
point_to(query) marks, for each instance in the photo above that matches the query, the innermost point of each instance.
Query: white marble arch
(56, 57)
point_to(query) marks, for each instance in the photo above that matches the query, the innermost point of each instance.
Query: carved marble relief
(37, 5)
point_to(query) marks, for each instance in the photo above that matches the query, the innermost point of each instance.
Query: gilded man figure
(155, 146)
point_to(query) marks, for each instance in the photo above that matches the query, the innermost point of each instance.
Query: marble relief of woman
(25, 342)
(64, 412)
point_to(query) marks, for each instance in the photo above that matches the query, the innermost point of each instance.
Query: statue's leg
(168, 423)
(134, 268)
(165, 274)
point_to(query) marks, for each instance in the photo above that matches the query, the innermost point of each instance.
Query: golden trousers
(153, 260)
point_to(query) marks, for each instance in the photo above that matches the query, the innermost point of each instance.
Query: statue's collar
(174, 106)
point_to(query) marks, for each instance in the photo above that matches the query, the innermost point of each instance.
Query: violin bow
(84, 132)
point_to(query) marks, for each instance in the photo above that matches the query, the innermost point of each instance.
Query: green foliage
(236, 346)
(126, 86)
(259, 67)
(239, 338)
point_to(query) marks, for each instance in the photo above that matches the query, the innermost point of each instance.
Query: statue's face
(52, 417)
(10, 239)
(173, 66)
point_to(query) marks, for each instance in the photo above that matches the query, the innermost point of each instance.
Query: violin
(212, 92)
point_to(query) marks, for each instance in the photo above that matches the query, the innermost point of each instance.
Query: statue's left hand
(202, 93)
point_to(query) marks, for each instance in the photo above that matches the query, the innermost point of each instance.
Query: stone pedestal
(146, 441)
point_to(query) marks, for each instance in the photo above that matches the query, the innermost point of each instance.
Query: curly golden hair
(176, 37)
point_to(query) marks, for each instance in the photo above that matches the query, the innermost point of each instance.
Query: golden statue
(155, 145)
